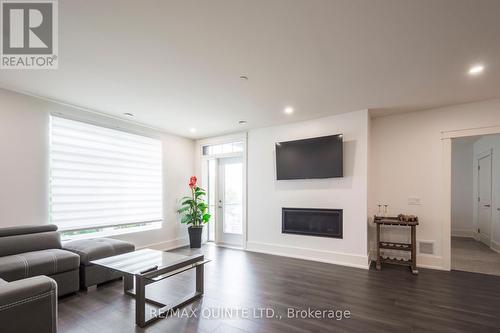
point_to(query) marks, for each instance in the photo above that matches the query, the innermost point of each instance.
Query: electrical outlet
(414, 201)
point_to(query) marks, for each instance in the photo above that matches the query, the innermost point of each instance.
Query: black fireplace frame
(340, 212)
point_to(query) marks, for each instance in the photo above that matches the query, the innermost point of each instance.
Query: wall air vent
(426, 247)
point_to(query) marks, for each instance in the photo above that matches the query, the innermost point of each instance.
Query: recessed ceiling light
(192, 130)
(128, 114)
(288, 110)
(242, 122)
(476, 69)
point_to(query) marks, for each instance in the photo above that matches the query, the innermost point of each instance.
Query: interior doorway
(475, 204)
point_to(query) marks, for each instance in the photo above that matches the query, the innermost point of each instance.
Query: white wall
(266, 195)
(407, 161)
(24, 143)
(462, 190)
(487, 143)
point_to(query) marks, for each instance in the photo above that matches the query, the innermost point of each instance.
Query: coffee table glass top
(140, 261)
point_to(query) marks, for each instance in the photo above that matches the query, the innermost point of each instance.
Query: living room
(237, 166)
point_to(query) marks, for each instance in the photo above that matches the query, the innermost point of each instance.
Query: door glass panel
(233, 198)
(237, 146)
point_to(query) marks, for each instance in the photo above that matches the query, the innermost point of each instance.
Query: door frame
(446, 139)
(477, 158)
(201, 169)
(219, 232)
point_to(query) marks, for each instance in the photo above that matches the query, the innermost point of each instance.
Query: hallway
(469, 255)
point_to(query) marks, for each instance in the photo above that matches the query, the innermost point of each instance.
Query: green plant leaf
(206, 217)
(198, 194)
(187, 219)
(183, 209)
(187, 202)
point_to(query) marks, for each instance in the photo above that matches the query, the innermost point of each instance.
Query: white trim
(481, 237)
(344, 259)
(431, 262)
(423, 260)
(240, 136)
(167, 245)
(495, 246)
(446, 205)
(110, 232)
(228, 246)
(470, 132)
(486, 153)
(222, 139)
(468, 233)
(446, 137)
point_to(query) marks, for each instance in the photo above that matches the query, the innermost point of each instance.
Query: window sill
(108, 232)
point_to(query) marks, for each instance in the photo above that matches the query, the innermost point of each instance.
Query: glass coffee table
(147, 266)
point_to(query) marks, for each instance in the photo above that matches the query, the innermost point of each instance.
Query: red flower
(192, 182)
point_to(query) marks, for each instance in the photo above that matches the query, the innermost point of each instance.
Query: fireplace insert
(312, 222)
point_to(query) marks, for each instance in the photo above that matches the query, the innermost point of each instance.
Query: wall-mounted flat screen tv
(320, 157)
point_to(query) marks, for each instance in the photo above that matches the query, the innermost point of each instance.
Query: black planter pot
(195, 237)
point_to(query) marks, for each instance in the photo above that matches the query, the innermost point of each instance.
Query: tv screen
(310, 158)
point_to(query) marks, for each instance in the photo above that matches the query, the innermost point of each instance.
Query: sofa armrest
(29, 305)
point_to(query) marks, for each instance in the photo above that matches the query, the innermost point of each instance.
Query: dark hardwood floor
(392, 300)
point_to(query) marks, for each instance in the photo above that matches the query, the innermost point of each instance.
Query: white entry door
(230, 201)
(484, 200)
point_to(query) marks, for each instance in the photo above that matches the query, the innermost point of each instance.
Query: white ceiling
(176, 64)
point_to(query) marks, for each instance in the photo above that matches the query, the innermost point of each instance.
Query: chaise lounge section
(94, 249)
(30, 251)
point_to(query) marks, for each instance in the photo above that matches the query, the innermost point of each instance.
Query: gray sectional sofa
(29, 251)
(28, 305)
(35, 269)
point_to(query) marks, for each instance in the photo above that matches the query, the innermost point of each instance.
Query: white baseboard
(462, 233)
(423, 260)
(351, 260)
(430, 261)
(495, 246)
(168, 245)
(229, 246)
(482, 238)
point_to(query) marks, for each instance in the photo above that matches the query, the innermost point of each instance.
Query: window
(225, 148)
(103, 179)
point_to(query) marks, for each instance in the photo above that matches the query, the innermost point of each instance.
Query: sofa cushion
(27, 229)
(98, 248)
(45, 262)
(15, 240)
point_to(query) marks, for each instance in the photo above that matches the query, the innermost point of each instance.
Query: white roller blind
(102, 177)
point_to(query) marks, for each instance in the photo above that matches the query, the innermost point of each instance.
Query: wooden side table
(409, 247)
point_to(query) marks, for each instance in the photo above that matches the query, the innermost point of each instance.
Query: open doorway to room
(475, 203)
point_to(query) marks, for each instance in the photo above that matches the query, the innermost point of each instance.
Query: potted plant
(194, 213)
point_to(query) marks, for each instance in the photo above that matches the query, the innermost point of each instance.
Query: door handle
(487, 205)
